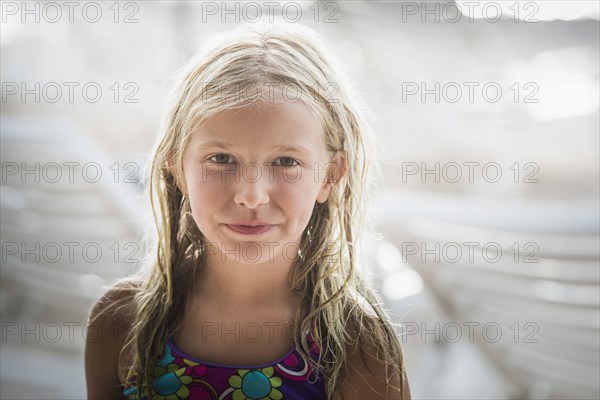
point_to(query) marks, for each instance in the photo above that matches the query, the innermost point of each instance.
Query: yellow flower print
(172, 386)
(255, 384)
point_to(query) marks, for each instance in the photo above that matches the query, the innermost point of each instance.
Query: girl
(258, 186)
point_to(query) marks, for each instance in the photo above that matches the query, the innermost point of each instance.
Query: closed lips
(250, 230)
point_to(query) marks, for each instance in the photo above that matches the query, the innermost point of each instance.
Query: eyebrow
(228, 145)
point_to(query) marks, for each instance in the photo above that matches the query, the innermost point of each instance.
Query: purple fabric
(179, 376)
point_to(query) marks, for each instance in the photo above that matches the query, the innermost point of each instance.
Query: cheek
(298, 196)
(204, 181)
(206, 191)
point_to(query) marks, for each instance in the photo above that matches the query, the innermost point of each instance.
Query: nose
(252, 190)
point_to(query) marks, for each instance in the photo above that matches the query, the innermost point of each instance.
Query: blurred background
(488, 252)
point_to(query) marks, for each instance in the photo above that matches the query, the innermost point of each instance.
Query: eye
(220, 158)
(286, 162)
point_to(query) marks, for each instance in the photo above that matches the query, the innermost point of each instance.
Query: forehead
(264, 123)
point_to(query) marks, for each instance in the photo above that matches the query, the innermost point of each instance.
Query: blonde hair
(338, 308)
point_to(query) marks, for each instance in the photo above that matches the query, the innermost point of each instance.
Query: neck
(259, 284)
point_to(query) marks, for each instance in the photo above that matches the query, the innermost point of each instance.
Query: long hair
(339, 308)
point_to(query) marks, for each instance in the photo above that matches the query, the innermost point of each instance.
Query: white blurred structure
(67, 230)
(531, 310)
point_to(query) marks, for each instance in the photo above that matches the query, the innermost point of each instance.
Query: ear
(180, 181)
(336, 169)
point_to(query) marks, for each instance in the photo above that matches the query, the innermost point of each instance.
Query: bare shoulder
(113, 309)
(366, 377)
(108, 326)
(118, 292)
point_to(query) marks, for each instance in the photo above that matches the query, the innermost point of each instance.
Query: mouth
(250, 229)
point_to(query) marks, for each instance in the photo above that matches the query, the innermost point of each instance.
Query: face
(253, 177)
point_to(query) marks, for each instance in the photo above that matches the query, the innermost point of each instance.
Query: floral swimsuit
(178, 376)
